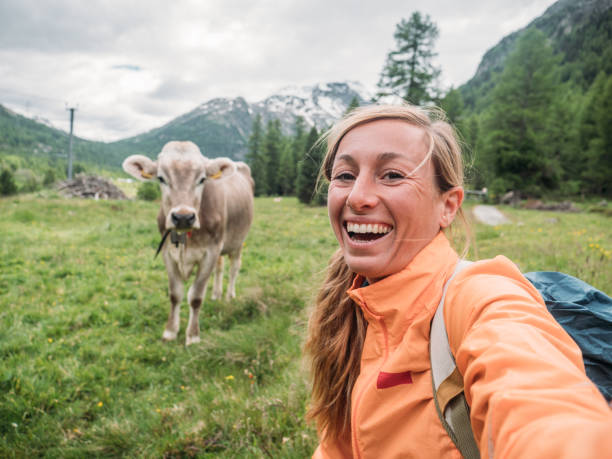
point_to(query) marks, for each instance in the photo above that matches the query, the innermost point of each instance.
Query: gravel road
(489, 215)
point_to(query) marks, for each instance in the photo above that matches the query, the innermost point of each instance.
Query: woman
(395, 184)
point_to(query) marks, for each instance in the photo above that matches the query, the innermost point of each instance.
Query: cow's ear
(140, 167)
(220, 168)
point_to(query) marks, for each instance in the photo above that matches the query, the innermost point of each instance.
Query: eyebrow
(385, 156)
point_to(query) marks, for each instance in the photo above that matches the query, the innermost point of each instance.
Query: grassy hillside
(41, 145)
(83, 304)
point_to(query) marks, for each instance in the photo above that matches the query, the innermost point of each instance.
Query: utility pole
(72, 109)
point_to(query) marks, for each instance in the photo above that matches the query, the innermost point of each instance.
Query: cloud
(133, 65)
(133, 68)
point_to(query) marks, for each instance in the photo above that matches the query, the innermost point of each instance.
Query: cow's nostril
(183, 221)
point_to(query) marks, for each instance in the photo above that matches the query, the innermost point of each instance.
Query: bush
(49, 178)
(7, 183)
(27, 180)
(148, 191)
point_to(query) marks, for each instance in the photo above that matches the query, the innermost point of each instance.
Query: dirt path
(489, 215)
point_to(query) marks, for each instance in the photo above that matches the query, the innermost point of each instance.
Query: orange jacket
(524, 376)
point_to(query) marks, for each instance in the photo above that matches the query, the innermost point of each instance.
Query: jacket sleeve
(524, 376)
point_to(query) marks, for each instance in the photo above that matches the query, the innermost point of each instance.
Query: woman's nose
(362, 195)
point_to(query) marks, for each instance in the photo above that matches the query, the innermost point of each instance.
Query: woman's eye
(344, 176)
(161, 179)
(392, 175)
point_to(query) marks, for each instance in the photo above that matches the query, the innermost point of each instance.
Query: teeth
(367, 228)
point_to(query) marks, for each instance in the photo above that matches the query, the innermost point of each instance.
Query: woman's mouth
(365, 232)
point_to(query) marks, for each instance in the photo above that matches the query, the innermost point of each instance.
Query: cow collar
(175, 237)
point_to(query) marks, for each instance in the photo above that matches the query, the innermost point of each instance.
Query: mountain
(221, 127)
(37, 141)
(580, 31)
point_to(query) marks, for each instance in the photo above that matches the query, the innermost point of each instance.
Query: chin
(367, 269)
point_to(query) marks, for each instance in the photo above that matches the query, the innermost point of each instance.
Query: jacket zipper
(365, 387)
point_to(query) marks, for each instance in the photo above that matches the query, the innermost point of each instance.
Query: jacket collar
(399, 298)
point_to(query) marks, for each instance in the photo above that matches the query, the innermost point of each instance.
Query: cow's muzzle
(183, 221)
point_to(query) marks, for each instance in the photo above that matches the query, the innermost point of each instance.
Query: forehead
(384, 136)
(181, 157)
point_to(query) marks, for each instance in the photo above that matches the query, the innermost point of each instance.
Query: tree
(352, 105)
(409, 71)
(272, 145)
(595, 137)
(256, 159)
(452, 104)
(308, 168)
(287, 170)
(516, 150)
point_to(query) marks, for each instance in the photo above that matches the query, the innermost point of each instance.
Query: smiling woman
(395, 185)
(382, 177)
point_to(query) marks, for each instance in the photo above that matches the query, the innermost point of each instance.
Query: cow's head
(182, 172)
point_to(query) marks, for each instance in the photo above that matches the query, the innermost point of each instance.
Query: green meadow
(83, 304)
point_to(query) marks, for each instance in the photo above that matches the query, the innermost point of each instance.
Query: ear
(220, 168)
(140, 167)
(451, 201)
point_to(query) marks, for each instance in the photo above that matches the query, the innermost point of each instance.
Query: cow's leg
(218, 282)
(196, 295)
(176, 289)
(235, 261)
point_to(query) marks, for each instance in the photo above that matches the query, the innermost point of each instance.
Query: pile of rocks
(90, 186)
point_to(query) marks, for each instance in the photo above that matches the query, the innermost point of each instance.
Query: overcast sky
(131, 65)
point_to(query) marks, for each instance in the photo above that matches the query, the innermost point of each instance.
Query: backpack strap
(452, 408)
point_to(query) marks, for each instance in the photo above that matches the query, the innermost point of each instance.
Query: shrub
(27, 180)
(49, 178)
(7, 183)
(148, 191)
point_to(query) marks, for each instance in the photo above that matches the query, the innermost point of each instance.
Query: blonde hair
(337, 328)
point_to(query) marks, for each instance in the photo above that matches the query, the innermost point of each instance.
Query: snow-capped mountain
(222, 126)
(319, 105)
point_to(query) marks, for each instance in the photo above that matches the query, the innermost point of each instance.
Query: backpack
(583, 311)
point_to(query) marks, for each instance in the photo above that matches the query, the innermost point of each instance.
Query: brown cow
(207, 208)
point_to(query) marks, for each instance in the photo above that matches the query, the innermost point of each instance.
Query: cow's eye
(161, 179)
(201, 181)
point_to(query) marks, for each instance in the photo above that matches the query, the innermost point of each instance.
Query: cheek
(335, 204)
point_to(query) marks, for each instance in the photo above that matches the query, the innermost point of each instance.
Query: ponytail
(336, 332)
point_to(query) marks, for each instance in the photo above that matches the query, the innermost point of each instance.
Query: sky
(129, 66)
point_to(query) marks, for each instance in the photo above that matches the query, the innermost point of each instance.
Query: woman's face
(381, 211)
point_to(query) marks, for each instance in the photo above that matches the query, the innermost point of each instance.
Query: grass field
(83, 303)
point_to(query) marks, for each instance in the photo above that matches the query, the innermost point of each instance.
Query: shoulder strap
(452, 408)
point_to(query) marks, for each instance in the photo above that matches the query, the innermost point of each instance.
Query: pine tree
(452, 104)
(298, 144)
(596, 137)
(272, 146)
(287, 169)
(352, 105)
(409, 71)
(516, 149)
(308, 168)
(256, 159)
